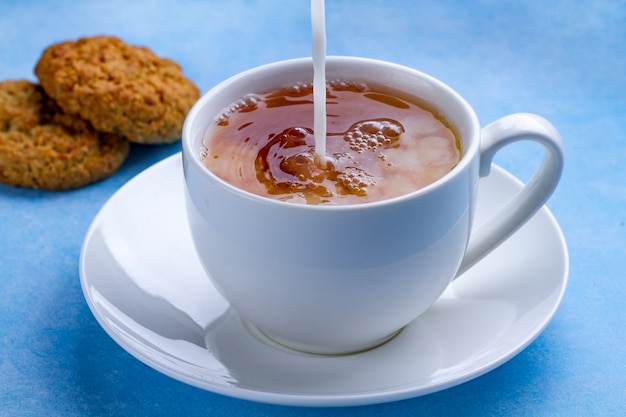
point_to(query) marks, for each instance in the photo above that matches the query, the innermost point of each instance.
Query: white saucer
(147, 289)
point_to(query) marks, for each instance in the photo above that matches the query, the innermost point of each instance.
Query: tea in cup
(337, 256)
(378, 145)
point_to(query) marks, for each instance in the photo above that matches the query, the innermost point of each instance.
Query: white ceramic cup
(341, 279)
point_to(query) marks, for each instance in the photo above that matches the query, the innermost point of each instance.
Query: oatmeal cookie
(42, 147)
(118, 88)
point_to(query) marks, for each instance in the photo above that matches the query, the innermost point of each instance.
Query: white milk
(319, 78)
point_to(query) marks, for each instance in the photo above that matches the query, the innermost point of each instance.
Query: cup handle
(523, 205)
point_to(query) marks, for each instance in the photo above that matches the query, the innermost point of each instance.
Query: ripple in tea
(378, 145)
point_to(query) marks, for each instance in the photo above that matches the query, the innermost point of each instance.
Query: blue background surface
(563, 59)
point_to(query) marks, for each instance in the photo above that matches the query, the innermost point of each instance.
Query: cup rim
(189, 145)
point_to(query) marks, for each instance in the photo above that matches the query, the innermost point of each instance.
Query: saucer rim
(367, 397)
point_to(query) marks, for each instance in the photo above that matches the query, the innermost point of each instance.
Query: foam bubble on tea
(380, 144)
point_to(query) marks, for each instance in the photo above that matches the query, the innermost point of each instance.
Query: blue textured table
(565, 60)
